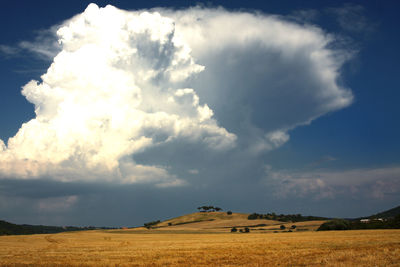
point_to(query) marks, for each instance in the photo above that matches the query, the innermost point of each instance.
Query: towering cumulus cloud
(110, 93)
(124, 82)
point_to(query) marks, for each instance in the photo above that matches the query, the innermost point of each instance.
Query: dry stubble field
(133, 248)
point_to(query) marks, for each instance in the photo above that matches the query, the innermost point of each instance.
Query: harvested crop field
(155, 248)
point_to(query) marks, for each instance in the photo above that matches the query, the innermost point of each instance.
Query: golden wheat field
(137, 248)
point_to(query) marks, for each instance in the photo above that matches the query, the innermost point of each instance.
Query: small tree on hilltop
(229, 212)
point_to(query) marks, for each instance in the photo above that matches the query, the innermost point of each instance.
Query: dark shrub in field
(337, 224)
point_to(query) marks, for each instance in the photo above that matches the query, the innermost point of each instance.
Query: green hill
(387, 214)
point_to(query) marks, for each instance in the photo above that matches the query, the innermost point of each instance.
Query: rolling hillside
(387, 214)
(222, 222)
(201, 222)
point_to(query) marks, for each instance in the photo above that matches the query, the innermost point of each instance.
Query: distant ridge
(387, 214)
(7, 228)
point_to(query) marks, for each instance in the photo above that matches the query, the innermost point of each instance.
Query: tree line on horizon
(7, 228)
(208, 208)
(284, 217)
(342, 224)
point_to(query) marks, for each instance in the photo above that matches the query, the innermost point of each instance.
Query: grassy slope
(222, 222)
(204, 216)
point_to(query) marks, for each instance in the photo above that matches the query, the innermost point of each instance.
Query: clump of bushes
(245, 230)
(254, 216)
(208, 209)
(151, 224)
(229, 212)
(283, 217)
(337, 224)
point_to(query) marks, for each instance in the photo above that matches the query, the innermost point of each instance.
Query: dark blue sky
(356, 140)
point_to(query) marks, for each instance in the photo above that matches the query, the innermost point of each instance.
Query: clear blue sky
(345, 163)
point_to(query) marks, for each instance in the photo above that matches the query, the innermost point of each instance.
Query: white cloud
(125, 82)
(351, 18)
(8, 50)
(277, 138)
(366, 183)
(110, 93)
(263, 75)
(44, 46)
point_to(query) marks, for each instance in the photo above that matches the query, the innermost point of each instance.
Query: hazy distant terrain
(7, 228)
